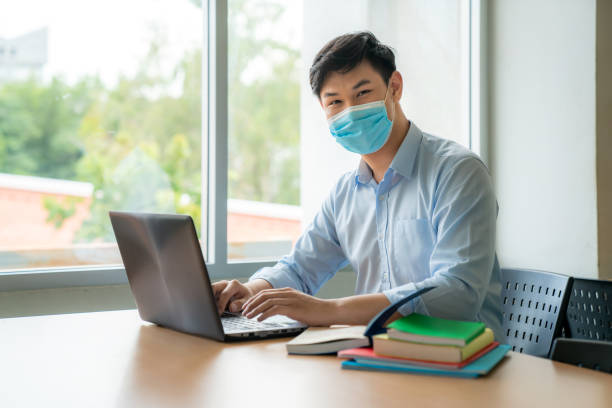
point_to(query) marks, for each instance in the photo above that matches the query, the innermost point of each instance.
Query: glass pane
(282, 159)
(264, 215)
(100, 109)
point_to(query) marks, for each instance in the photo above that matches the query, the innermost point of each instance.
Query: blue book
(479, 367)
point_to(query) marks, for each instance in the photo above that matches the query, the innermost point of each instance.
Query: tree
(38, 124)
(264, 114)
(143, 151)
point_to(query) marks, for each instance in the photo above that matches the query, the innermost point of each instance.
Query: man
(419, 211)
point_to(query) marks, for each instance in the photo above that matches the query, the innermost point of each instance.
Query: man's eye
(365, 91)
(337, 101)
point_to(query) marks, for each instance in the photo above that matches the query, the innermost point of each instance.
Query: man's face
(360, 85)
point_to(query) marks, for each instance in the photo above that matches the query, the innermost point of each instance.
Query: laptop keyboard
(235, 322)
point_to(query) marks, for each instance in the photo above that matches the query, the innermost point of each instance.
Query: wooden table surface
(114, 359)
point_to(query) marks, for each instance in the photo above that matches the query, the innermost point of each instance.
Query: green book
(419, 328)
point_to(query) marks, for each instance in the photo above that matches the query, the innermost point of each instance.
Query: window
(264, 71)
(148, 114)
(100, 108)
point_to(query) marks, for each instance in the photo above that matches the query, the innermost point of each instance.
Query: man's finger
(218, 287)
(259, 306)
(265, 305)
(268, 294)
(224, 297)
(236, 305)
(255, 301)
(274, 310)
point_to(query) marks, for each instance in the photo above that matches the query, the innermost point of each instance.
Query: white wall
(604, 137)
(542, 127)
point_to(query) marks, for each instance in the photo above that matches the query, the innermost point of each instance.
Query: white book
(326, 340)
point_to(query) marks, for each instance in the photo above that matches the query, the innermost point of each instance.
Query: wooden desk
(113, 359)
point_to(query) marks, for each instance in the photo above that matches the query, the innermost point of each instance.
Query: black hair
(345, 52)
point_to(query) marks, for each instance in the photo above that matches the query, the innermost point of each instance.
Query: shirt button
(382, 197)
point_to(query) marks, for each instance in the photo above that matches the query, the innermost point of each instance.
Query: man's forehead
(362, 71)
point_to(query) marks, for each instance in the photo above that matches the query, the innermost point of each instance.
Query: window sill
(50, 278)
(32, 279)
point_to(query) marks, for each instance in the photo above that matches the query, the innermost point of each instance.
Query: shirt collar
(404, 159)
(364, 173)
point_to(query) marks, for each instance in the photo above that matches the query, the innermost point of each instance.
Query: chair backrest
(533, 303)
(593, 354)
(589, 310)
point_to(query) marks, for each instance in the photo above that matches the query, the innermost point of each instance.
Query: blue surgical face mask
(362, 129)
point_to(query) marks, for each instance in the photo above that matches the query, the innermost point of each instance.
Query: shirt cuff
(276, 275)
(397, 294)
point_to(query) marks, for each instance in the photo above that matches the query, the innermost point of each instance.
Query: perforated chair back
(533, 303)
(596, 355)
(589, 310)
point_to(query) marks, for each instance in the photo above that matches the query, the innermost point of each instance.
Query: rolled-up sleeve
(463, 215)
(315, 258)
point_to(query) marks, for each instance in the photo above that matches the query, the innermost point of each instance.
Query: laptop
(167, 274)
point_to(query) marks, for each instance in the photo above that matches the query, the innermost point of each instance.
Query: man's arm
(354, 310)
(316, 257)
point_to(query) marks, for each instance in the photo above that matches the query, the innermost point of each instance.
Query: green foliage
(139, 142)
(143, 152)
(264, 114)
(58, 212)
(38, 125)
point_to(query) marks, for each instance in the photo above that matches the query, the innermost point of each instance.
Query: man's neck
(380, 160)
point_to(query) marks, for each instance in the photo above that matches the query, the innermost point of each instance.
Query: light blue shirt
(429, 222)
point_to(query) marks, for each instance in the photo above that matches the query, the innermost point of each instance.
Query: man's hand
(233, 294)
(358, 309)
(291, 303)
(258, 299)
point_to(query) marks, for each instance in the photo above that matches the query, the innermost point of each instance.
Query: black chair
(589, 310)
(533, 304)
(596, 355)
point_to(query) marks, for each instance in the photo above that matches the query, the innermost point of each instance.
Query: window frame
(215, 155)
(478, 80)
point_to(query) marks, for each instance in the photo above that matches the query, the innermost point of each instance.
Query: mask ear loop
(392, 103)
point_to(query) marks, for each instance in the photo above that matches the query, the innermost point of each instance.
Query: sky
(110, 37)
(104, 37)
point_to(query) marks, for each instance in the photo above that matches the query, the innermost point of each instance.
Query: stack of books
(423, 344)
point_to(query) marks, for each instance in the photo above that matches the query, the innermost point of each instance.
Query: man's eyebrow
(360, 83)
(357, 85)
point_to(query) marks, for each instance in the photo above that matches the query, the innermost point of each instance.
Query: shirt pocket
(413, 242)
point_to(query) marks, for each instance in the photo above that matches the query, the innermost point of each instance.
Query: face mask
(362, 129)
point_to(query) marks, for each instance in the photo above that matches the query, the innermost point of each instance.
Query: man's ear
(396, 82)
